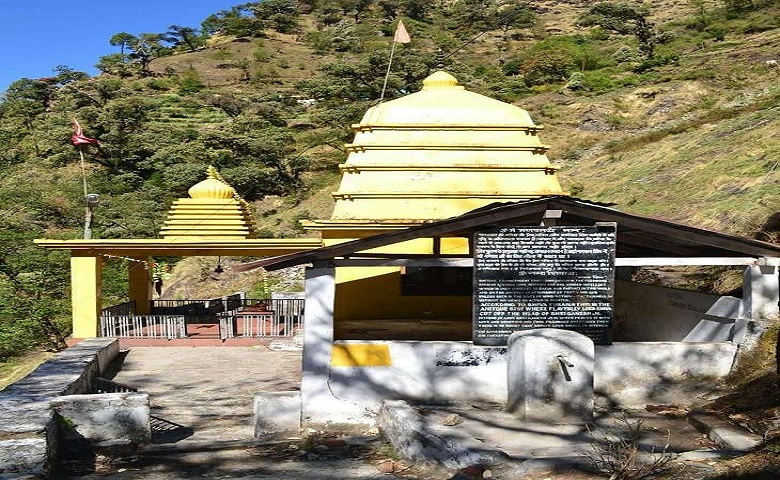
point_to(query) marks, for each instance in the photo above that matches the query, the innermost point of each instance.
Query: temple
(390, 284)
(430, 155)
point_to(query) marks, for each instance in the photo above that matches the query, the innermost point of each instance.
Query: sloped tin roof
(638, 236)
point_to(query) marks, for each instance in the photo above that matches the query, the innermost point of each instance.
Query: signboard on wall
(543, 277)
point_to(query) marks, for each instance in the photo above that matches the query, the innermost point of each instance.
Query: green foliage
(239, 21)
(33, 292)
(190, 83)
(625, 19)
(281, 15)
(187, 37)
(553, 59)
(657, 61)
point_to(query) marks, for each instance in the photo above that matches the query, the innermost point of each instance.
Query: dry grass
(16, 368)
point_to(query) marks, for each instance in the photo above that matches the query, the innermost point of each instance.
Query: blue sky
(38, 36)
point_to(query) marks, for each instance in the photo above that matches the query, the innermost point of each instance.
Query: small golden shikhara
(214, 211)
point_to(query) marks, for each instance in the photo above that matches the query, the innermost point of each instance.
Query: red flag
(78, 138)
(401, 35)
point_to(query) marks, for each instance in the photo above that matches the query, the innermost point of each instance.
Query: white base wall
(629, 375)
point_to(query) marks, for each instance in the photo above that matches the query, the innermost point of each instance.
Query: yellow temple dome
(442, 101)
(439, 153)
(211, 187)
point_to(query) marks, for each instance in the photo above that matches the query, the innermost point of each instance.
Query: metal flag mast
(91, 200)
(401, 36)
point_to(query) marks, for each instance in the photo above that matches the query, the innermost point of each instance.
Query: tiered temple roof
(436, 154)
(213, 211)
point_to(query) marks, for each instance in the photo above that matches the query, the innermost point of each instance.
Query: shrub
(657, 61)
(575, 81)
(619, 454)
(598, 82)
(190, 83)
(625, 54)
(509, 90)
(550, 67)
(553, 59)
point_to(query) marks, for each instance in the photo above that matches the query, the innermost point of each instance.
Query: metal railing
(262, 318)
(192, 309)
(235, 315)
(143, 326)
(127, 308)
(104, 385)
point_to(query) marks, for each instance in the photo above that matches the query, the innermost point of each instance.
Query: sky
(38, 36)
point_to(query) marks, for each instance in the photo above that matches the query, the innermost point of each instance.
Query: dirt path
(208, 390)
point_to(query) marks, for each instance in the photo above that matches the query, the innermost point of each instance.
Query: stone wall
(28, 431)
(634, 374)
(106, 420)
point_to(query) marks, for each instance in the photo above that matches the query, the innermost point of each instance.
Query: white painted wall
(648, 313)
(634, 374)
(626, 374)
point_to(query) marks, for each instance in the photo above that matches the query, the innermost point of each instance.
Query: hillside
(267, 94)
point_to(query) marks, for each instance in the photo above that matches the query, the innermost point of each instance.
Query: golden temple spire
(213, 211)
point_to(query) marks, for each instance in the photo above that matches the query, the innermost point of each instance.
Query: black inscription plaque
(539, 277)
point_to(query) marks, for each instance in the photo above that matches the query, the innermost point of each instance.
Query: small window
(436, 281)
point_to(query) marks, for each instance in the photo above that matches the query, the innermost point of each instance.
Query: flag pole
(400, 36)
(83, 170)
(78, 139)
(387, 75)
(87, 203)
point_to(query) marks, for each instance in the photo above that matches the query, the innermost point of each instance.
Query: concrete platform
(206, 394)
(523, 440)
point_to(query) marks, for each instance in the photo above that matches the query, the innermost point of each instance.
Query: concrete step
(725, 434)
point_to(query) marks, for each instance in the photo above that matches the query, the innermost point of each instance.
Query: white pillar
(761, 290)
(550, 376)
(760, 296)
(319, 405)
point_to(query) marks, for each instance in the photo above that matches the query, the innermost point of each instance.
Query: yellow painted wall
(361, 355)
(368, 292)
(140, 286)
(365, 294)
(86, 295)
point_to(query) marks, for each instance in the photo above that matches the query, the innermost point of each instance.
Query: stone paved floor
(208, 390)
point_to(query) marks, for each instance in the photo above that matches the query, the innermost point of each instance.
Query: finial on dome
(212, 172)
(212, 187)
(440, 79)
(440, 58)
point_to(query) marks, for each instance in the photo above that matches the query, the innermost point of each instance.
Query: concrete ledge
(700, 455)
(26, 455)
(409, 434)
(105, 417)
(277, 414)
(70, 371)
(534, 467)
(207, 446)
(725, 434)
(28, 433)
